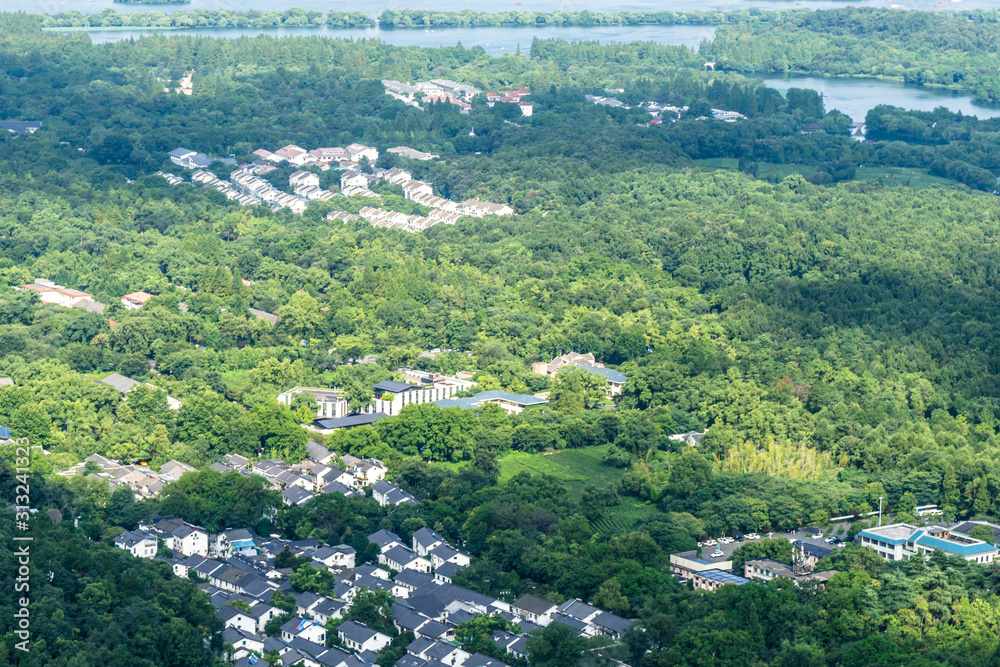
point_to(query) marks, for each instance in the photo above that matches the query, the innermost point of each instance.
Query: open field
(718, 163)
(236, 380)
(578, 468)
(778, 172)
(918, 178)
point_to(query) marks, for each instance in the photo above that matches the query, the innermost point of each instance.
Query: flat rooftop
(897, 531)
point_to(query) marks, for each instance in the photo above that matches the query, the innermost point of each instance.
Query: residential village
(247, 187)
(445, 90)
(238, 569)
(662, 112)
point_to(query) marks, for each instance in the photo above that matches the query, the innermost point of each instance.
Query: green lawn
(622, 517)
(236, 380)
(918, 178)
(578, 468)
(778, 172)
(718, 163)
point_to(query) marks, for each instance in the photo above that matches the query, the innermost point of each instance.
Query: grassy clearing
(918, 178)
(622, 518)
(718, 163)
(236, 380)
(577, 468)
(778, 172)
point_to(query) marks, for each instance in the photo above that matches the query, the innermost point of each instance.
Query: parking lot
(728, 549)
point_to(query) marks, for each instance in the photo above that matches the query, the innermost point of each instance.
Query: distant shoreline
(383, 28)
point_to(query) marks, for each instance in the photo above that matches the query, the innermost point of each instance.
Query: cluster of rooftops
(445, 90)
(247, 188)
(237, 564)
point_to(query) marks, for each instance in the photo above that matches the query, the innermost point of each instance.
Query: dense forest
(953, 49)
(832, 333)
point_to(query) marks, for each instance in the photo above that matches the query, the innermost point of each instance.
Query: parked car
(739, 538)
(717, 554)
(700, 544)
(711, 543)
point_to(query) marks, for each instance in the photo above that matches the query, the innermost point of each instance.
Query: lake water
(855, 97)
(496, 41)
(375, 7)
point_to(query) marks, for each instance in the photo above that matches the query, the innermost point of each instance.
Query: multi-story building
(901, 541)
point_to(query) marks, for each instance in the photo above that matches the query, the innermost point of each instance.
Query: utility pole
(880, 511)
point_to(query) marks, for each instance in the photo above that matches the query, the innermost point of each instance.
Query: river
(855, 97)
(375, 7)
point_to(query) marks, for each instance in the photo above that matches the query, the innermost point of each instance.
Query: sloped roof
(349, 421)
(357, 632)
(119, 382)
(607, 373)
(394, 387)
(533, 604)
(316, 451)
(426, 537)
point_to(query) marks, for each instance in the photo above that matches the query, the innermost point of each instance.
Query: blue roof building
(901, 541)
(511, 403)
(709, 580)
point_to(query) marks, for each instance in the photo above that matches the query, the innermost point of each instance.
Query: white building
(901, 541)
(136, 300)
(137, 543)
(358, 151)
(359, 637)
(50, 292)
(301, 178)
(329, 402)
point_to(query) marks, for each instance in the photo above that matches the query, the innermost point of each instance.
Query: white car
(700, 544)
(717, 554)
(711, 543)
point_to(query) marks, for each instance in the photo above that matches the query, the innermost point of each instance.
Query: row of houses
(238, 565)
(389, 396)
(296, 155)
(445, 90)
(355, 182)
(422, 192)
(208, 179)
(258, 188)
(435, 90)
(231, 191)
(317, 474)
(305, 184)
(140, 479)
